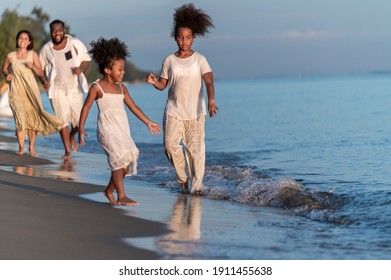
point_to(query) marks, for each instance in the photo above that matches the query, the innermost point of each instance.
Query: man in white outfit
(64, 59)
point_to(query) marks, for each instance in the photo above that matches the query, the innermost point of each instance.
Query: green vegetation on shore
(38, 24)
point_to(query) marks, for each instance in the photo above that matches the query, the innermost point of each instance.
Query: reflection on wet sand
(186, 218)
(65, 170)
(28, 170)
(185, 224)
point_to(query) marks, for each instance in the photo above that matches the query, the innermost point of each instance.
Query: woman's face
(184, 38)
(23, 41)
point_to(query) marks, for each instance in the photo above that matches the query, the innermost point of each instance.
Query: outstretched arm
(154, 128)
(159, 84)
(210, 89)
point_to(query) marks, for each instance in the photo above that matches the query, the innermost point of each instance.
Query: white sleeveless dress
(113, 132)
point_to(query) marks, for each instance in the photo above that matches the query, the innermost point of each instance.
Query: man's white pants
(67, 107)
(192, 135)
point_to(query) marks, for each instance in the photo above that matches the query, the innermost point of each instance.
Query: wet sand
(60, 212)
(46, 219)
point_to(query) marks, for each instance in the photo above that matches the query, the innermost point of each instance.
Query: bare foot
(20, 152)
(127, 202)
(67, 156)
(184, 186)
(74, 145)
(110, 197)
(33, 153)
(198, 193)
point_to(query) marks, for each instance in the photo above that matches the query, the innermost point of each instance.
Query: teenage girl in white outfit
(184, 72)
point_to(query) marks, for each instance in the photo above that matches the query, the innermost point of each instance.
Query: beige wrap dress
(25, 100)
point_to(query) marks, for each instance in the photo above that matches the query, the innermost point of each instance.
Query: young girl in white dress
(113, 130)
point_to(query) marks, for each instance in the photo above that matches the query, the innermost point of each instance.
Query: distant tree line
(38, 24)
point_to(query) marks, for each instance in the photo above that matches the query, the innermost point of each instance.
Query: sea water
(296, 168)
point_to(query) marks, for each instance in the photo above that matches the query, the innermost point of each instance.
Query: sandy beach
(45, 219)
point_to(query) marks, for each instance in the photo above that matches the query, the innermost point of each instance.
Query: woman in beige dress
(25, 101)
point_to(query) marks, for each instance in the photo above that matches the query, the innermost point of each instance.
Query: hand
(151, 78)
(77, 71)
(9, 77)
(46, 84)
(29, 65)
(82, 133)
(154, 128)
(212, 108)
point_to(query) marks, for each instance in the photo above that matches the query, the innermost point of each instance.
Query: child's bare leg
(108, 192)
(72, 139)
(118, 179)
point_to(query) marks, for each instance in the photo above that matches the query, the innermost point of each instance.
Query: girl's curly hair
(190, 17)
(105, 51)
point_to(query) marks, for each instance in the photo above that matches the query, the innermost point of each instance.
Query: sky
(251, 38)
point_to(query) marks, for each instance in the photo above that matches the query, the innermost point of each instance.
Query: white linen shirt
(47, 57)
(185, 94)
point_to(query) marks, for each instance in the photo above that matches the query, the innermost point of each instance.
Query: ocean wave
(242, 185)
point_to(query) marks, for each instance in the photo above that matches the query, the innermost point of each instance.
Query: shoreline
(44, 218)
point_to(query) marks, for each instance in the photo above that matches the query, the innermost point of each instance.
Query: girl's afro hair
(105, 51)
(189, 16)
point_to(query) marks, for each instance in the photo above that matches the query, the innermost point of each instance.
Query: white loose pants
(67, 107)
(188, 160)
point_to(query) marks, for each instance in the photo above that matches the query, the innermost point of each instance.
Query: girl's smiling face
(117, 70)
